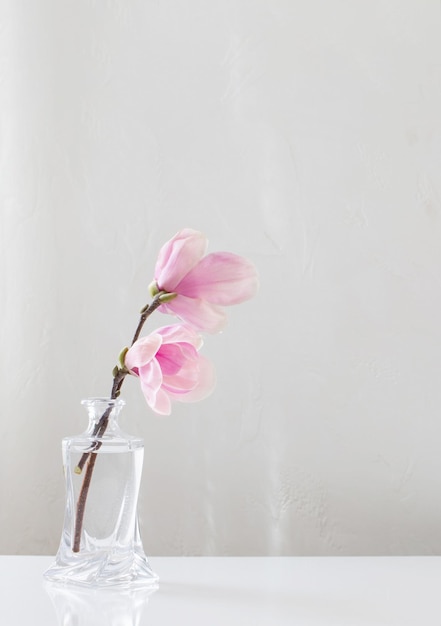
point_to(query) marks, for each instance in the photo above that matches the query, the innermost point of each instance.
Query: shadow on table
(273, 606)
(78, 606)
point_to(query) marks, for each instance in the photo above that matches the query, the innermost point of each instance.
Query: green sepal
(122, 356)
(153, 289)
(166, 297)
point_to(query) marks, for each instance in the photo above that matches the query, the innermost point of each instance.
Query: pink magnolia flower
(204, 284)
(170, 367)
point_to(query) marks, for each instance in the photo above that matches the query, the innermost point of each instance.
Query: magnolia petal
(162, 403)
(142, 351)
(182, 381)
(200, 314)
(206, 383)
(180, 333)
(173, 357)
(151, 376)
(178, 256)
(149, 394)
(221, 278)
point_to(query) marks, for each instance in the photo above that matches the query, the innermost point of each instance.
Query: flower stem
(145, 313)
(90, 456)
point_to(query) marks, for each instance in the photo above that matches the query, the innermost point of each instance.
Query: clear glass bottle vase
(100, 544)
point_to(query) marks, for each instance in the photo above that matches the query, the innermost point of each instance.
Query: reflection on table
(78, 606)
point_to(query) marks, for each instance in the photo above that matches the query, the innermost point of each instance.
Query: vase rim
(103, 400)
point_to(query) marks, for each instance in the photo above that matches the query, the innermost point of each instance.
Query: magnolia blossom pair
(167, 361)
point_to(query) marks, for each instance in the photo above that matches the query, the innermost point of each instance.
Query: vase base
(103, 570)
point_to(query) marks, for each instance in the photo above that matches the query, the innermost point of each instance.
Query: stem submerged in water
(89, 457)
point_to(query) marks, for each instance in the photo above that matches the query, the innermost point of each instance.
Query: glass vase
(100, 544)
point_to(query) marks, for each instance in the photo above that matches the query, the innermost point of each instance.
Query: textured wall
(304, 135)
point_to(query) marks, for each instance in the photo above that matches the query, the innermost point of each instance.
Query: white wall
(303, 135)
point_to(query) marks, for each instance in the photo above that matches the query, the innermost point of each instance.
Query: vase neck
(99, 407)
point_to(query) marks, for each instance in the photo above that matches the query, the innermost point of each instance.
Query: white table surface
(251, 591)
